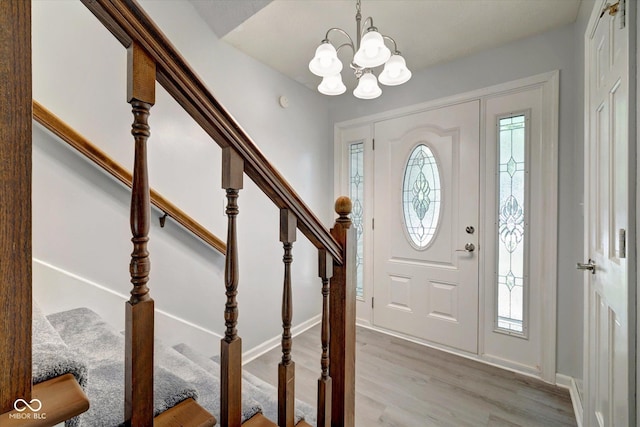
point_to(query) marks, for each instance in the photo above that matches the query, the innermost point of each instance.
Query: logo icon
(37, 405)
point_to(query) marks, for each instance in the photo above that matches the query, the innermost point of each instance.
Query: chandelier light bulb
(395, 71)
(367, 87)
(332, 85)
(325, 62)
(372, 52)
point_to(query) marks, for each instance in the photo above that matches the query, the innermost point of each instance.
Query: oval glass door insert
(421, 196)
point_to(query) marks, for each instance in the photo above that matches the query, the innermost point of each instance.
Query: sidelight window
(356, 193)
(512, 238)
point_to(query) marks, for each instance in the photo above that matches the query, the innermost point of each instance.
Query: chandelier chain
(358, 6)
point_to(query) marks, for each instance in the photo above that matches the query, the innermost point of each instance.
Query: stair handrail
(89, 150)
(128, 22)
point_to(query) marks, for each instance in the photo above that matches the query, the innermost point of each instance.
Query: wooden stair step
(260, 420)
(61, 398)
(186, 413)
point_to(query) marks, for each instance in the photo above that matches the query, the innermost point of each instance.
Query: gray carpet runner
(81, 343)
(253, 386)
(102, 349)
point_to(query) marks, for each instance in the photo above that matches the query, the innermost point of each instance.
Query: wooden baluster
(231, 344)
(139, 309)
(286, 368)
(342, 347)
(15, 194)
(325, 266)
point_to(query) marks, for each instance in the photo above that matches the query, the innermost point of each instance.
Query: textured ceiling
(284, 33)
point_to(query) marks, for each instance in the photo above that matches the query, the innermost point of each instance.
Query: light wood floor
(402, 384)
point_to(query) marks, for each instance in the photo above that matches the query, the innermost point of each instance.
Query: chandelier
(368, 52)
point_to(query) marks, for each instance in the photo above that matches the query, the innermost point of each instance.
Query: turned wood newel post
(139, 309)
(325, 267)
(231, 344)
(342, 301)
(286, 368)
(15, 209)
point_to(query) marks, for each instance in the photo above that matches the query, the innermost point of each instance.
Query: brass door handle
(590, 265)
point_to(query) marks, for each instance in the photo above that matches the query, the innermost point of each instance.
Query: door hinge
(613, 9)
(372, 302)
(622, 242)
(373, 144)
(373, 223)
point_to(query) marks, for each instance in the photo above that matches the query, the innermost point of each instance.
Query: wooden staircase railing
(90, 151)
(151, 58)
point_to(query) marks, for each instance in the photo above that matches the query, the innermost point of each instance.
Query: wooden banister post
(231, 344)
(342, 345)
(139, 309)
(325, 268)
(15, 209)
(287, 368)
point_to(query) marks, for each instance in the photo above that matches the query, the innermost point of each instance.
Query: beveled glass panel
(356, 193)
(421, 195)
(511, 224)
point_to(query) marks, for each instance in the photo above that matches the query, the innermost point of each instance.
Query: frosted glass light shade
(395, 72)
(367, 87)
(325, 62)
(372, 52)
(332, 85)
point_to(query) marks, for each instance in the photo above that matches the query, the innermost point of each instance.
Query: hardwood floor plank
(403, 384)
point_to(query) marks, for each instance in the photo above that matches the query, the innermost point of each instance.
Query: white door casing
(428, 292)
(609, 298)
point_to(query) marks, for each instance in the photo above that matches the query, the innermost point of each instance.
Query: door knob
(469, 247)
(590, 265)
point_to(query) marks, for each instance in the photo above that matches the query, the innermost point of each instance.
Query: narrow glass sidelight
(421, 196)
(356, 194)
(512, 232)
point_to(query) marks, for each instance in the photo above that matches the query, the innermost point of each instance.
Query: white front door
(609, 334)
(426, 207)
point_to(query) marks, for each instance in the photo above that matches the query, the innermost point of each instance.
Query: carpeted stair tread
(185, 413)
(61, 399)
(204, 379)
(259, 421)
(102, 348)
(258, 389)
(50, 355)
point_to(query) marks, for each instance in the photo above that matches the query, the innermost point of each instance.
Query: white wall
(80, 217)
(556, 49)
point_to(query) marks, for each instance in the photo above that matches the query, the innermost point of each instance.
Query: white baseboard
(570, 384)
(274, 342)
(55, 290)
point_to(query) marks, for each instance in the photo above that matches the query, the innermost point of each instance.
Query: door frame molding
(550, 81)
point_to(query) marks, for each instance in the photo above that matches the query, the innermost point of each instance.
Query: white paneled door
(609, 366)
(426, 206)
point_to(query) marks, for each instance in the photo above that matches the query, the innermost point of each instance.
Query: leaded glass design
(421, 196)
(511, 224)
(356, 193)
